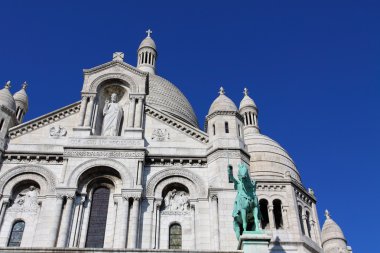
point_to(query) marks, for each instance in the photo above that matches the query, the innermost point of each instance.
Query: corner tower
(147, 54)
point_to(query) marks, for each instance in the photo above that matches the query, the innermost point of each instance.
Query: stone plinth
(257, 242)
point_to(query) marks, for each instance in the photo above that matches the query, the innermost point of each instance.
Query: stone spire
(6, 98)
(147, 54)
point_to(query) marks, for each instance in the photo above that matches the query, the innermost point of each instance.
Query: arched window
(226, 127)
(175, 236)
(300, 218)
(213, 129)
(308, 224)
(16, 234)
(250, 118)
(264, 213)
(98, 218)
(239, 130)
(277, 212)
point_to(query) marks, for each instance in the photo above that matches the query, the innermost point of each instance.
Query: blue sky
(312, 67)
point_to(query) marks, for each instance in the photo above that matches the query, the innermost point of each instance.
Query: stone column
(271, 217)
(158, 223)
(4, 206)
(304, 221)
(139, 172)
(131, 112)
(54, 225)
(313, 231)
(215, 221)
(65, 222)
(134, 222)
(285, 216)
(138, 115)
(90, 108)
(82, 112)
(77, 221)
(86, 219)
(193, 231)
(122, 220)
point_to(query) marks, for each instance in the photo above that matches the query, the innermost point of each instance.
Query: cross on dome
(149, 32)
(8, 84)
(245, 91)
(221, 91)
(327, 214)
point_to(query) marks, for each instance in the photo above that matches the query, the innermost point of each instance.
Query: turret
(333, 239)
(147, 55)
(21, 99)
(248, 110)
(7, 113)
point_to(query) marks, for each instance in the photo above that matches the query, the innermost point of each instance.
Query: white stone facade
(160, 169)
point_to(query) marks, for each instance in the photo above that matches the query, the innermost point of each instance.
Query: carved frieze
(112, 142)
(160, 134)
(104, 154)
(57, 131)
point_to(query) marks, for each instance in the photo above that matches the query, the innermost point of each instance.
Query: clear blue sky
(313, 68)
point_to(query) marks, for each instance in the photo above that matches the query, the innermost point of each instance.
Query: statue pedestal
(82, 131)
(254, 242)
(133, 133)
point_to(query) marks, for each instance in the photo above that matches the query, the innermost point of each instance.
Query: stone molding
(93, 87)
(125, 174)
(176, 161)
(44, 120)
(114, 143)
(28, 171)
(137, 96)
(32, 158)
(173, 175)
(185, 128)
(104, 154)
(231, 154)
(115, 63)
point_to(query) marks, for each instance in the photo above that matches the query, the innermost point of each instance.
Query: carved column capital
(214, 197)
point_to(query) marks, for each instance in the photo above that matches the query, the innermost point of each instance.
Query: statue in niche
(176, 201)
(112, 113)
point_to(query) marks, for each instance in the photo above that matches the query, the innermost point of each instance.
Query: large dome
(268, 159)
(167, 97)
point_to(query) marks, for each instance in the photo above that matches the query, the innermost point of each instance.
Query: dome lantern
(147, 54)
(21, 99)
(333, 239)
(6, 98)
(248, 110)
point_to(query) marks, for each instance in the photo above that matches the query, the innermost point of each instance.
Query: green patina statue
(246, 211)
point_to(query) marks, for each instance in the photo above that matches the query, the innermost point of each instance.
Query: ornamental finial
(24, 85)
(245, 91)
(8, 84)
(221, 91)
(149, 32)
(327, 214)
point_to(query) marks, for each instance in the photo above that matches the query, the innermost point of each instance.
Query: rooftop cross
(149, 32)
(221, 91)
(245, 91)
(327, 214)
(8, 84)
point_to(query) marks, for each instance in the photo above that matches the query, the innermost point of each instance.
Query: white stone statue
(27, 200)
(112, 113)
(176, 201)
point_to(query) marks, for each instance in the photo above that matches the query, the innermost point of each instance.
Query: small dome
(6, 98)
(331, 230)
(148, 41)
(21, 96)
(247, 101)
(222, 103)
(268, 159)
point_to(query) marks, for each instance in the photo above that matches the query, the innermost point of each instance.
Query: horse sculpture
(246, 211)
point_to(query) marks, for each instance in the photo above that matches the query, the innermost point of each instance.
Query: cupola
(248, 110)
(333, 239)
(6, 98)
(21, 99)
(147, 54)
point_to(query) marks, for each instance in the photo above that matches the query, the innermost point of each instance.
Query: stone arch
(37, 173)
(193, 182)
(99, 80)
(125, 174)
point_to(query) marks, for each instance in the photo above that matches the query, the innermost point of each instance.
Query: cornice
(114, 63)
(44, 120)
(187, 129)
